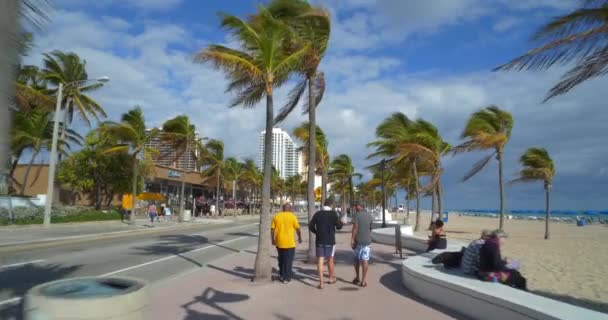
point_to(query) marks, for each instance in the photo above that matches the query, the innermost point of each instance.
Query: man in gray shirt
(361, 242)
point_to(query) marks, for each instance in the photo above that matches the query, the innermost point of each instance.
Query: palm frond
(478, 166)
(595, 65)
(292, 101)
(319, 91)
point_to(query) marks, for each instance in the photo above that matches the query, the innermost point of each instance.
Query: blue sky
(429, 59)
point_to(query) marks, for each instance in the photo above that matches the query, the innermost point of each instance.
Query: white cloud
(505, 24)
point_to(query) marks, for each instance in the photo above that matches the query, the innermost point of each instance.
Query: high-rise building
(167, 155)
(285, 157)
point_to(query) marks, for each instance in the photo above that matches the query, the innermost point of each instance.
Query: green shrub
(74, 216)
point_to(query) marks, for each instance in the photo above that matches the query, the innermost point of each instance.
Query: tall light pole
(48, 205)
(382, 167)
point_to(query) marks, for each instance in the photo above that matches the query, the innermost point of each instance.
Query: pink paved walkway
(223, 290)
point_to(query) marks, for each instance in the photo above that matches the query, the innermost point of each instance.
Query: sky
(427, 59)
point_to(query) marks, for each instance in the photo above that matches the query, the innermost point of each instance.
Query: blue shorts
(326, 251)
(362, 253)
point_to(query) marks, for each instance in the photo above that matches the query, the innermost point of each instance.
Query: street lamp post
(382, 167)
(53, 156)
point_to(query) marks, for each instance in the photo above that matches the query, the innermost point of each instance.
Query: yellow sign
(318, 193)
(127, 199)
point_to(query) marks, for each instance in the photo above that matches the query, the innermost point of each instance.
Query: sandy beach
(572, 266)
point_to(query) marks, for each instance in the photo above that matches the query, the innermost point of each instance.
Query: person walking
(324, 224)
(283, 229)
(152, 212)
(361, 243)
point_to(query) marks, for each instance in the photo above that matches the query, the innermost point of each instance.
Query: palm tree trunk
(11, 174)
(182, 200)
(234, 195)
(217, 193)
(433, 203)
(547, 209)
(9, 24)
(439, 200)
(27, 172)
(312, 164)
(407, 205)
(134, 192)
(417, 225)
(502, 191)
(263, 268)
(323, 184)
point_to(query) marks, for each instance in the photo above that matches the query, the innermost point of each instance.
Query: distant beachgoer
(438, 238)
(212, 210)
(492, 267)
(152, 212)
(470, 258)
(361, 242)
(283, 229)
(324, 224)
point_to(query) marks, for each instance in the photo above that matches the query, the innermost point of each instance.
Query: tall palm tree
(64, 68)
(212, 159)
(538, 166)
(31, 90)
(292, 186)
(312, 26)
(181, 134)
(234, 172)
(574, 38)
(342, 170)
(488, 129)
(302, 133)
(260, 64)
(134, 139)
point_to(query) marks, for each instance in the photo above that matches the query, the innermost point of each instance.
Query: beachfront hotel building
(285, 156)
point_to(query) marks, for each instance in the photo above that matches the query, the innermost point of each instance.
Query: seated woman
(437, 239)
(492, 267)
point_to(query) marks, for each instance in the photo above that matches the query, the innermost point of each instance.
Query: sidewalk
(33, 234)
(223, 290)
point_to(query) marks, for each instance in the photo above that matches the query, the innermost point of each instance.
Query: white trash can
(88, 298)
(187, 215)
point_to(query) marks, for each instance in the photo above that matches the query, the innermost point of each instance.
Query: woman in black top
(492, 267)
(438, 239)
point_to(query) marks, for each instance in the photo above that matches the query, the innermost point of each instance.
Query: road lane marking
(20, 264)
(14, 300)
(213, 245)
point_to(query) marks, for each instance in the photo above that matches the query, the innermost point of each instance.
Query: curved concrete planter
(484, 300)
(87, 299)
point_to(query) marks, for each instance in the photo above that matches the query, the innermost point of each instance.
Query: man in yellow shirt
(284, 227)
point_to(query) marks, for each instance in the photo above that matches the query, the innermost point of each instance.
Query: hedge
(82, 216)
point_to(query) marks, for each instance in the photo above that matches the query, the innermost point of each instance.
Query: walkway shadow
(179, 245)
(581, 302)
(392, 281)
(214, 298)
(17, 281)
(242, 234)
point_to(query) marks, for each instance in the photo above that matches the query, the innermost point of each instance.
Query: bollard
(398, 246)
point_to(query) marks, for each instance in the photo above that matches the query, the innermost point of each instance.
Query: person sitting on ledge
(470, 257)
(492, 267)
(437, 239)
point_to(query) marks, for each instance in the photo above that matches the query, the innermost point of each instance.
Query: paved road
(151, 257)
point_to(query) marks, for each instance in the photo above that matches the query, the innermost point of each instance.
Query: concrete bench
(483, 300)
(410, 241)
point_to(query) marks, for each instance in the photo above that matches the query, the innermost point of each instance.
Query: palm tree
(31, 90)
(342, 170)
(181, 134)
(234, 172)
(212, 159)
(412, 147)
(292, 186)
(253, 178)
(133, 138)
(312, 26)
(488, 129)
(64, 68)
(254, 70)
(538, 166)
(574, 38)
(302, 133)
